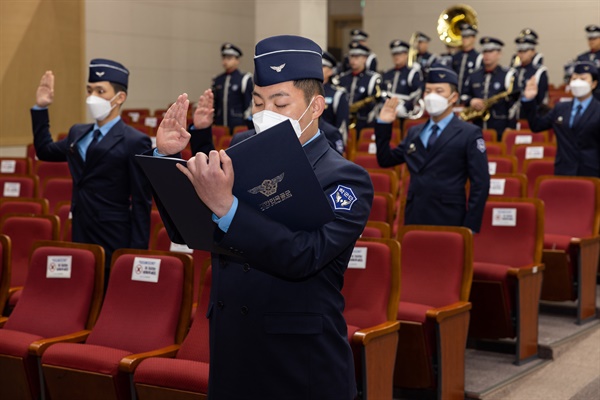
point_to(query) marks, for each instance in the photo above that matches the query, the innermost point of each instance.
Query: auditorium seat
(134, 115)
(535, 168)
(5, 270)
(145, 312)
(51, 169)
(384, 180)
(16, 165)
(502, 164)
(56, 189)
(24, 230)
(382, 208)
(490, 136)
(571, 240)
(512, 137)
(223, 142)
(63, 211)
(219, 131)
(495, 148)
(437, 269)
(18, 185)
(57, 304)
(507, 185)
(377, 229)
(27, 205)
(507, 274)
(533, 151)
(371, 292)
(186, 375)
(409, 123)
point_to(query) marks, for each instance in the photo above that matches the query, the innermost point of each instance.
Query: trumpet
(469, 113)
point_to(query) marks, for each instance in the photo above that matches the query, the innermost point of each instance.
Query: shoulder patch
(343, 198)
(481, 145)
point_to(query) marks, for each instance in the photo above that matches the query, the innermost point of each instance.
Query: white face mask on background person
(98, 107)
(266, 119)
(435, 104)
(580, 88)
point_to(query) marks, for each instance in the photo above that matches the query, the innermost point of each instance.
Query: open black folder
(272, 174)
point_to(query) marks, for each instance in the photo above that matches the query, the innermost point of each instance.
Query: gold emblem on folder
(268, 187)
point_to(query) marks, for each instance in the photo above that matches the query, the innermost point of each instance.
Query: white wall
(559, 23)
(170, 47)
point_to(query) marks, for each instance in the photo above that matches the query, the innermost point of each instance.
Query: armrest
(364, 336)
(585, 241)
(440, 314)
(39, 347)
(129, 363)
(526, 270)
(3, 321)
(14, 289)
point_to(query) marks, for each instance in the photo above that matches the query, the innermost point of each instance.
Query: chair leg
(529, 288)
(558, 283)
(452, 342)
(379, 357)
(588, 269)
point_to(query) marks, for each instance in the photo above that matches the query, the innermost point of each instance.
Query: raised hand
(212, 177)
(388, 111)
(531, 89)
(171, 136)
(45, 92)
(204, 114)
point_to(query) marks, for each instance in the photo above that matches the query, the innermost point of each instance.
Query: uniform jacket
(336, 111)
(501, 115)
(233, 95)
(436, 194)
(359, 87)
(463, 70)
(578, 148)
(595, 58)
(524, 73)
(111, 196)
(276, 324)
(406, 82)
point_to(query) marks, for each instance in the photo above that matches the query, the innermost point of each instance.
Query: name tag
(523, 139)
(358, 259)
(497, 186)
(8, 166)
(145, 269)
(180, 248)
(492, 167)
(12, 189)
(59, 267)
(504, 217)
(534, 152)
(135, 116)
(151, 122)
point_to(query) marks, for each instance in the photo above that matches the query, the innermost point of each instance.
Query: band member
(527, 69)
(336, 99)
(424, 57)
(593, 36)
(361, 84)
(468, 60)
(531, 37)
(488, 81)
(360, 36)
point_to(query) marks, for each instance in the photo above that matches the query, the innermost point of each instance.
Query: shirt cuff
(226, 219)
(525, 100)
(36, 107)
(379, 121)
(156, 153)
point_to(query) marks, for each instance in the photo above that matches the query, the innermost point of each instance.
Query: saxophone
(357, 105)
(469, 113)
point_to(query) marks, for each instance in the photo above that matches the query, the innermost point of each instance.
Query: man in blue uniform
(467, 60)
(528, 68)
(529, 36)
(232, 90)
(487, 81)
(111, 198)
(576, 123)
(361, 83)
(424, 57)
(593, 56)
(336, 99)
(401, 81)
(360, 36)
(276, 324)
(441, 155)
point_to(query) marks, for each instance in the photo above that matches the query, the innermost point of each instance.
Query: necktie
(433, 137)
(94, 142)
(577, 116)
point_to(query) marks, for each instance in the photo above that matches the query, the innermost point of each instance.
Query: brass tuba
(450, 21)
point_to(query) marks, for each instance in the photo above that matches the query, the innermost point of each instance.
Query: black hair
(310, 88)
(118, 87)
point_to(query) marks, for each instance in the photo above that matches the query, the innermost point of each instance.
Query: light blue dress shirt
(426, 132)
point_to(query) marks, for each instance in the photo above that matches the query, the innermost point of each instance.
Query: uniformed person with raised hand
(360, 36)
(467, 60)
(276, 325)
(529, 36)
(111, 198)
(336, 100)
(403, 82)
(361, 83)
(593, 55)
(441, 155)
(488, 81)
(576, 123)
(232, 89)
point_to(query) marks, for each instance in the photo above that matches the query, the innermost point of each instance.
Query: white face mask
(580, 88)
(266, 119)
(99, 107)
(435, 104)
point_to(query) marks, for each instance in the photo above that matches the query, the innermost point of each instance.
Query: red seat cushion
(556, 242)
(14, 298)
(413, 312)
(86, 357)
(191, 376)
(15, 343)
